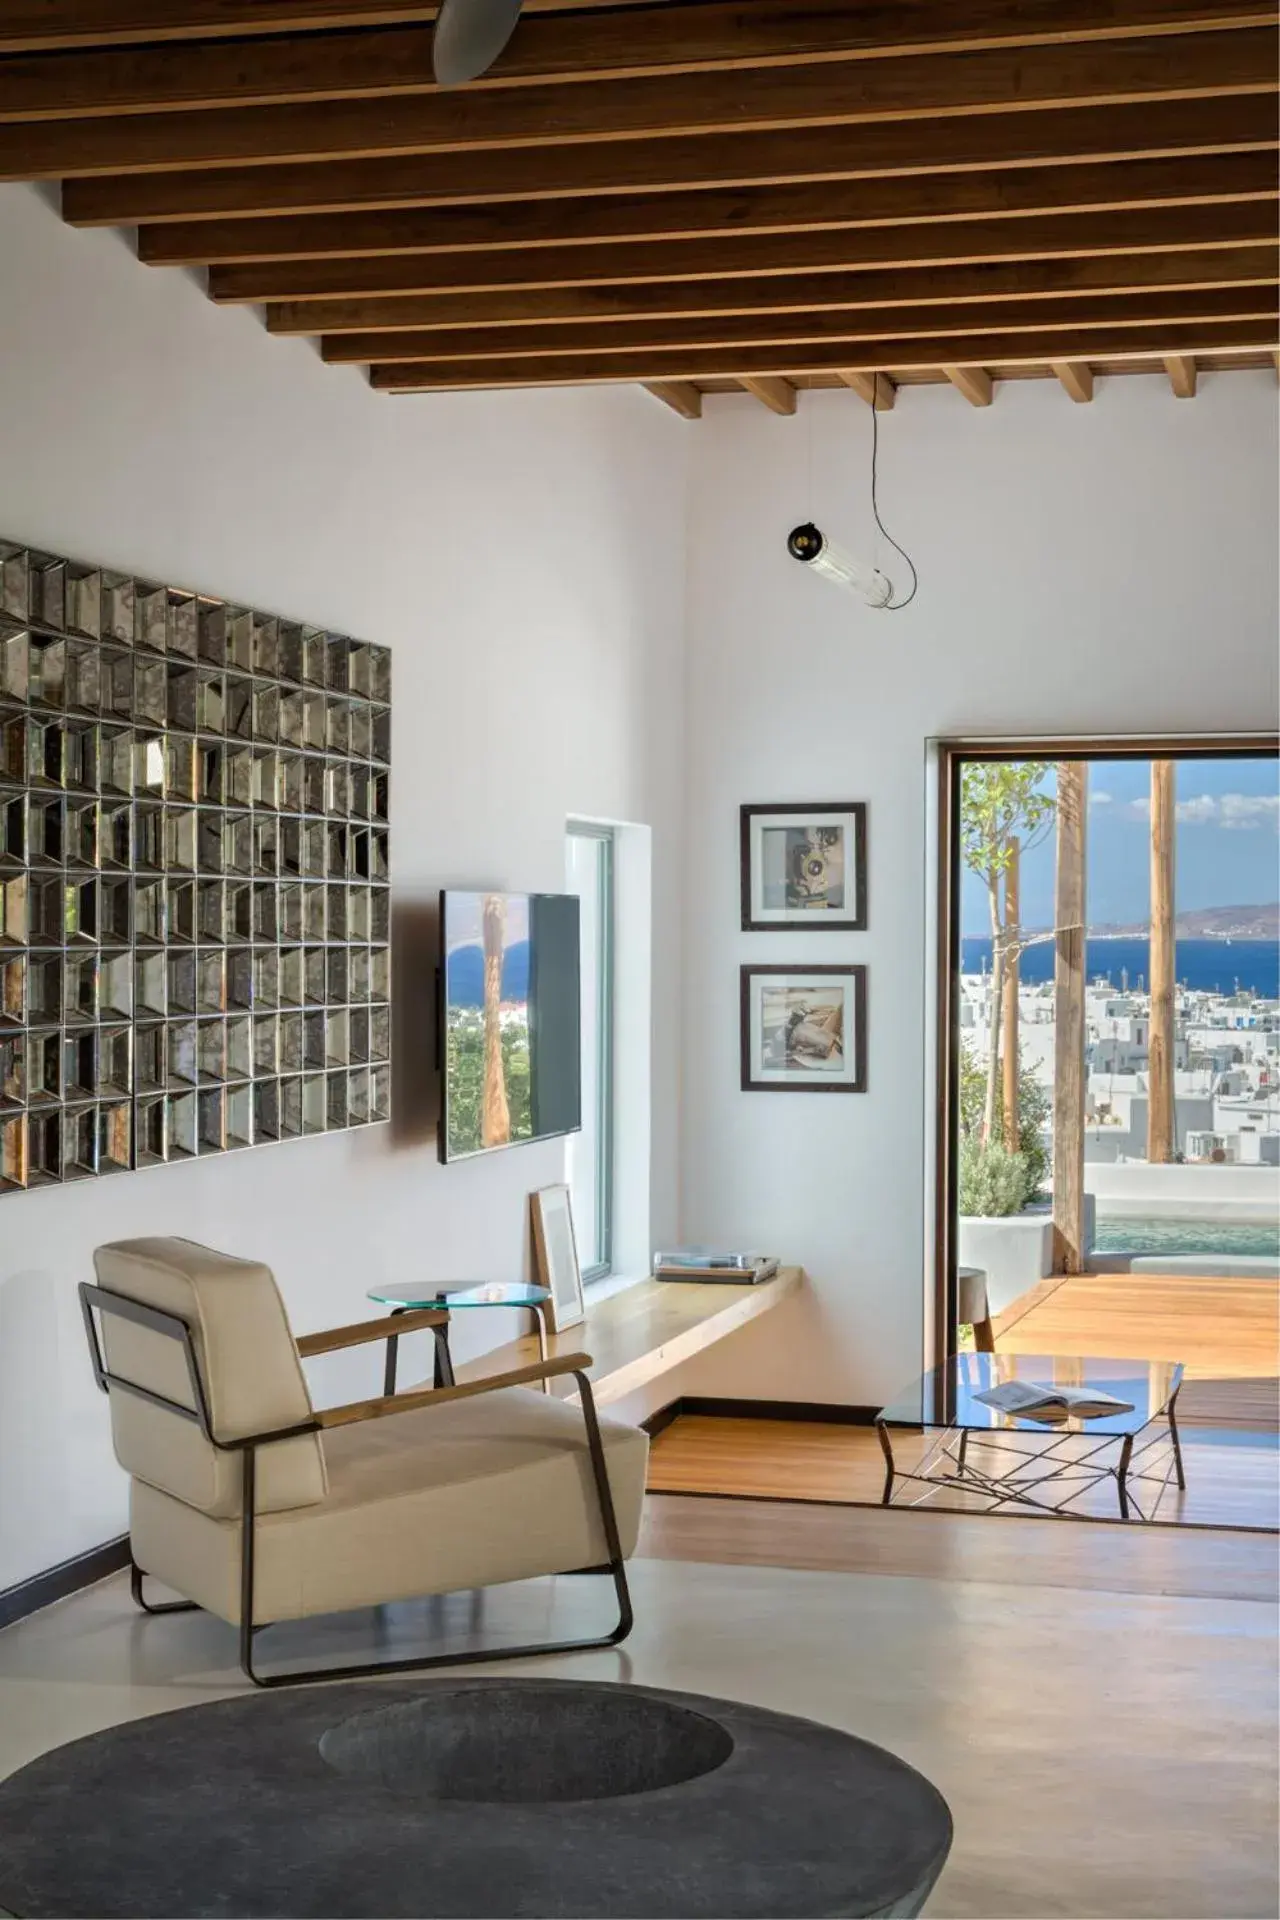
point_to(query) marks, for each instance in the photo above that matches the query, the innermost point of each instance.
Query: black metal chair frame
(174, 1327)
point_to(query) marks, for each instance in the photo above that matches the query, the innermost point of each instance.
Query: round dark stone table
(493, 1798)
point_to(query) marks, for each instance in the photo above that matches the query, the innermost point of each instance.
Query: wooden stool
(973, 1309)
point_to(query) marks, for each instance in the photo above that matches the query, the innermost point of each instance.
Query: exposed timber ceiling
(696, 195)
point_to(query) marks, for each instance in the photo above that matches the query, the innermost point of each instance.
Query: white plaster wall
(1106, 568)
(523, 557)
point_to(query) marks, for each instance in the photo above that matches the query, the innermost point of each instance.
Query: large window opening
(1111, 1042)
(590, 870)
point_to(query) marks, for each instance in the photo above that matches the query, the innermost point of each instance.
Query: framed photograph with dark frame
(804, 865)
(804, 1029)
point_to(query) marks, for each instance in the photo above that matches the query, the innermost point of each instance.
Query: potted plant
(1006, 1224)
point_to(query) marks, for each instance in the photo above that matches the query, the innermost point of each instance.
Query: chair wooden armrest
(437, 1396)
(387, 1328)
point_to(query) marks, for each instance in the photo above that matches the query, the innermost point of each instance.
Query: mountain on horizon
(1202, 923)
(466, 974)
(1208, 923)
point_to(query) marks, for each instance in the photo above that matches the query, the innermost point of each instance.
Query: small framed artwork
(804, 1029)
(555, 1256)
(805, 866)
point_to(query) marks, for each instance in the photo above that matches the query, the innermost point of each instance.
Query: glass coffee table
(495, 1293)
(1009, 1460)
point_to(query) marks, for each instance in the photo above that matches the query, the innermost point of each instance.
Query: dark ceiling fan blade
(469, 36)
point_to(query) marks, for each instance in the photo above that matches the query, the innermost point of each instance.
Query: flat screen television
(510, 1024)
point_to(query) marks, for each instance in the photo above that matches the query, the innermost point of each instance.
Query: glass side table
(497, 1293)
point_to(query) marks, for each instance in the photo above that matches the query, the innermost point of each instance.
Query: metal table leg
(1126, 1450)
(1172, 1416)
(442, 1373)
(887, 1451)
(540, 1328)
(393, 1356)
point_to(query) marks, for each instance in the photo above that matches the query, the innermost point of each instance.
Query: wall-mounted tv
(510, 1023)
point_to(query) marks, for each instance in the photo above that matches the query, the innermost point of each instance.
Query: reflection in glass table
(1045, 1464)
(491, 1293)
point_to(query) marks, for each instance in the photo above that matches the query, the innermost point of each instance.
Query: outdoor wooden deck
(1225, 1331)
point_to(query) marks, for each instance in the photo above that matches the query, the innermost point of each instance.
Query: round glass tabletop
(491, 1293)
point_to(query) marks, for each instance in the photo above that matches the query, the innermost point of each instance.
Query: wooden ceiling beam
(877, 389)
(778, 395)
(1181, 369)
(942, 243)
(1220, 361)
(734, 332)
(800, 156)
(783, 293)
(1076, 378)
(680, 395)
(28, 26)
(1201, 181)
(1185, 66)
(980, 350)
(382, 61)
(973, 382)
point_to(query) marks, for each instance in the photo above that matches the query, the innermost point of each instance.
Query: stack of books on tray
(714, 1263)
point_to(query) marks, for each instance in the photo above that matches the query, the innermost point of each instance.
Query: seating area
(639, 959)
(272, 1511)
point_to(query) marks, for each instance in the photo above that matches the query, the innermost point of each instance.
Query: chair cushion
(469, 1494)
(248, 1362)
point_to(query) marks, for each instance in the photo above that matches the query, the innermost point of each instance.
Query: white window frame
(601, 1267)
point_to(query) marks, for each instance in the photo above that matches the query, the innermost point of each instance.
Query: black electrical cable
(891, 606)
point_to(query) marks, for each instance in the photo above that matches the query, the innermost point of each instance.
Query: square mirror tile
(194, 912)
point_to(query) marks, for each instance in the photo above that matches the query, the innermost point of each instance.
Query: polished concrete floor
(1105, 1753)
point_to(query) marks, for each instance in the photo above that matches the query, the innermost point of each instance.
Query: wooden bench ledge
(645, 1331)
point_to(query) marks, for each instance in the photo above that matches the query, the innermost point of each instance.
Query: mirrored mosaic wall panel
(194, 875)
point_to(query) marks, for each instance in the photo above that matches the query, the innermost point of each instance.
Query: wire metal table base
(1025, 1480)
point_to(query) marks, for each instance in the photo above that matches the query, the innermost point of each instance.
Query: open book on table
(1025, 1399)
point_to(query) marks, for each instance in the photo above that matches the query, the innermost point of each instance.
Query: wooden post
(1160, 1094)
(495, 1115)
(1009, 1046)
(1069, 1037)
(991, 1100)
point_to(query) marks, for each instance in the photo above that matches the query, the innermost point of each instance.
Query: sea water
(1206, 966)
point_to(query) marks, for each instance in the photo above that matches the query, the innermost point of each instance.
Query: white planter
(1015, 1251)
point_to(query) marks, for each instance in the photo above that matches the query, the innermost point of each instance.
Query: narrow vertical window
(590, 866)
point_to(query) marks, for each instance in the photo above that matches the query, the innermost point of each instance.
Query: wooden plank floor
(1221, 1329)
(1231, 1482)
(944, 1546)
(1225, 1331)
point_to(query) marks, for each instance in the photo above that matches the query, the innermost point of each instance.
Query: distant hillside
(1208, 923)
(466, 974)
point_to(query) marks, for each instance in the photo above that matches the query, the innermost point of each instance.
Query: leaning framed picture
(804, 1029)
(805, 866)
(555, 1257)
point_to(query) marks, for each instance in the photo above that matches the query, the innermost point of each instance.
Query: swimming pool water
(1187, 1236)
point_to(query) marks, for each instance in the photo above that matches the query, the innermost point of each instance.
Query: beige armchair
(259, 1508)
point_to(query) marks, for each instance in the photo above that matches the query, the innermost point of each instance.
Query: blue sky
(1228, 851)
